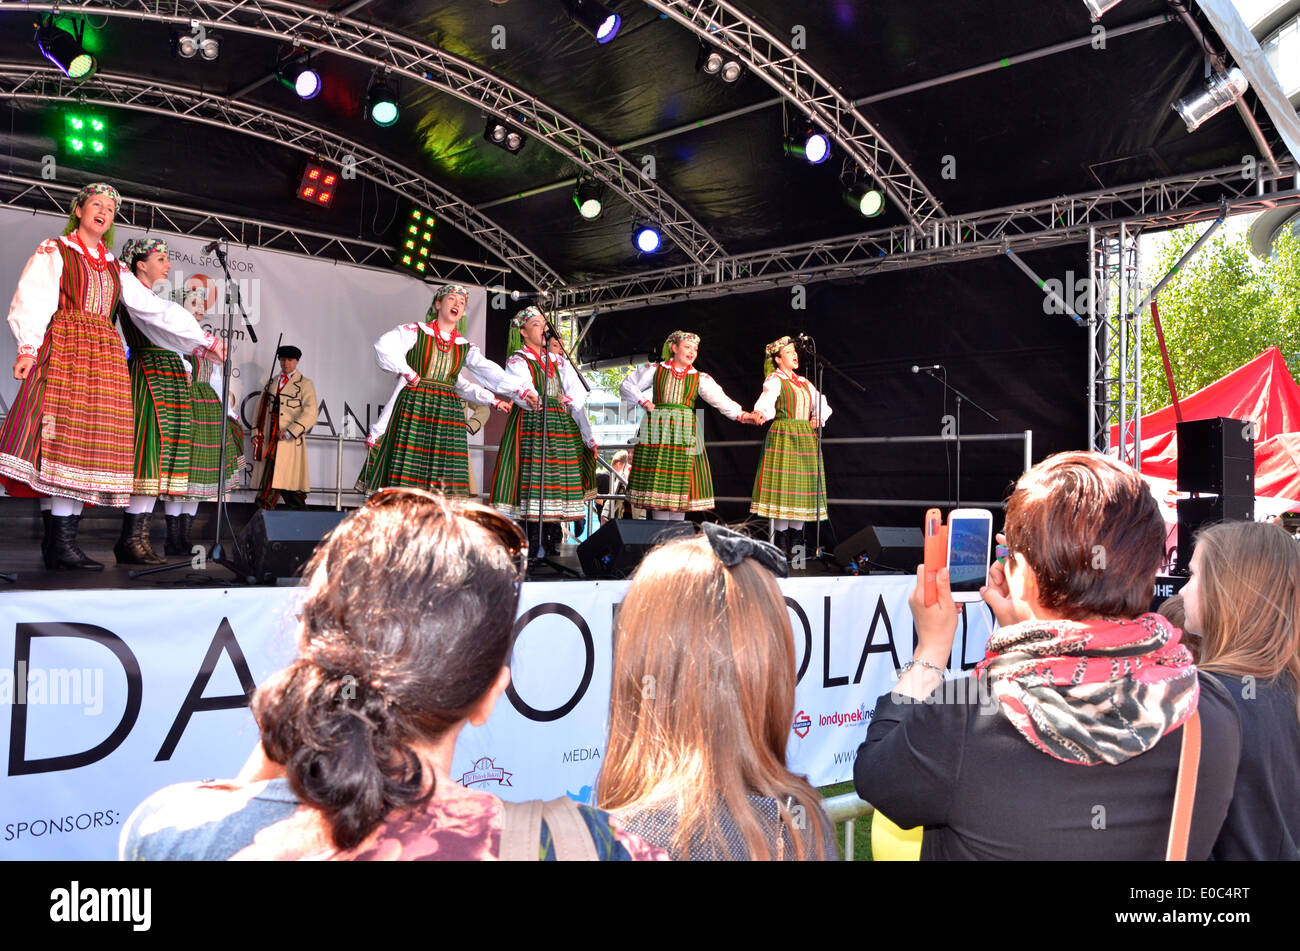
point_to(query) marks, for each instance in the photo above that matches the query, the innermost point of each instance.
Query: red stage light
(317, 184)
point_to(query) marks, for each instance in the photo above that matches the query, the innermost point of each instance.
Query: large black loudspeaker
(1214, 456)
(896, 549)
(618, 547)
(277, 543)
(1217, 455)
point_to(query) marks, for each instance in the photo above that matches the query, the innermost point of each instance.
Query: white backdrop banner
(112, 695)
(333, 312)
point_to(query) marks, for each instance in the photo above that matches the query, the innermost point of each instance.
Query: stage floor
(20, 553)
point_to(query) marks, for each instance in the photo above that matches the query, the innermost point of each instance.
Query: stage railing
(847, 808)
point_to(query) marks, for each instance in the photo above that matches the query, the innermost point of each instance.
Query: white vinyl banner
(333, 312)
(112, 695)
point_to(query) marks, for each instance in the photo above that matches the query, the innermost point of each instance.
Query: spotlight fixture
(413, 253)
(596, 18)
(197, 42)
(85, 135)
(318, 184)
(297, 74)
(713, 62)
(1097, 8)
(646, 239)
(210, 48)
(500, 134)
(1220, 92)
(868, 201)
(184, 45)
(587, 195)
(811, 146)
(381, 103)
(64, 49)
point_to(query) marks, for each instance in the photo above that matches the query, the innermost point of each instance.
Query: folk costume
(570, 471)
(790, 485)
(670, 469)
(423, 442)
(69, 433)
(288, 405)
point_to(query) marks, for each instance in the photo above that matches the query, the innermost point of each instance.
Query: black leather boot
(172, 546)
(187, 544)
(133, 546)
(47, 531)
(64, 551)
(796, 547)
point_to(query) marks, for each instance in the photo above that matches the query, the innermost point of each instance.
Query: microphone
(932, 366)
(211, 246)
(804, 341)
(530, 295)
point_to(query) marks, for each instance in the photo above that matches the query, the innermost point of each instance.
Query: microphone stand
(960, 398)
(809, 346)
(217, 554)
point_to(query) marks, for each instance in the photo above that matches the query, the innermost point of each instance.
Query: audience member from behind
(404, 638)
(1071, 746)
(1243, 597)
(701, 706)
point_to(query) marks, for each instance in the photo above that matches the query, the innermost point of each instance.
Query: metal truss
(46, 84)
(1165, 203)
(53, 198)
(317, 29)
(1115, 343)
(769, 58)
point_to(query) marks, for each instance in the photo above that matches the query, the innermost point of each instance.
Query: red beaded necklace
(793, 378)
(678, 374)
(443, 344)
(550, 367)
(97, 261)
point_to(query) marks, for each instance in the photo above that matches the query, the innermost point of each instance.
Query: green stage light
(85, 134)
(414, 250)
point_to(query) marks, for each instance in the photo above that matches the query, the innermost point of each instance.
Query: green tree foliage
(1223, 309)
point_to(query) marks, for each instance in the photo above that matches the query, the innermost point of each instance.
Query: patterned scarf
(1091, 692)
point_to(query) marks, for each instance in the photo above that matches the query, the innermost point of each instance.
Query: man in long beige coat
(285, 414)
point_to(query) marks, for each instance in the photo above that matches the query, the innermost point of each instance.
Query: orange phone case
(936, 552)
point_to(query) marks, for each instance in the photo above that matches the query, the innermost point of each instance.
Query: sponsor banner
(333, 312)
(112, 695)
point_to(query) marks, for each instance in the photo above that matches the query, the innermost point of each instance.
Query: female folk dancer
(68, 434)
(569, 477)
(670, 471)
(790, 486)
(423, 442)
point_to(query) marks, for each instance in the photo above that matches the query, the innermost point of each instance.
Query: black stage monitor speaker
(1193, 514)
(891, 549)
(618, 546)
(1217, 455)
(278, 542)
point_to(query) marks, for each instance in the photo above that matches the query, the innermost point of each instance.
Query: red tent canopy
(1261, 390)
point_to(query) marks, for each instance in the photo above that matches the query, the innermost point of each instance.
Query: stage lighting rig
(318, 185)
(1222, 91)
(810, 145)
(647, 239)
(85, 135)
(64, 49)
(596, 18)
(381, 101)
(714, 62)
(502, 135)
(866, 200)
(416, 239)
(297, 73)
(588, 195)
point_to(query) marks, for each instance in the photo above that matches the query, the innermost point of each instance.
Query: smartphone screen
(968, 540)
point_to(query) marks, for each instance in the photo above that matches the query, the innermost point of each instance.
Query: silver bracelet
(941, 671)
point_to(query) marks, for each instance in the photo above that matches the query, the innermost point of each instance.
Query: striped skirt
(786, 485)
(69, 431)
(205, 436)
(425, 445)
(570, 477)
(160, 394)
(670, 469)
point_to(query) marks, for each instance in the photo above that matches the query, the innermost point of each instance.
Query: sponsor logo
(802, 723)
(581, 754)
(583, 795)
(846, 717)
(486, 771)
